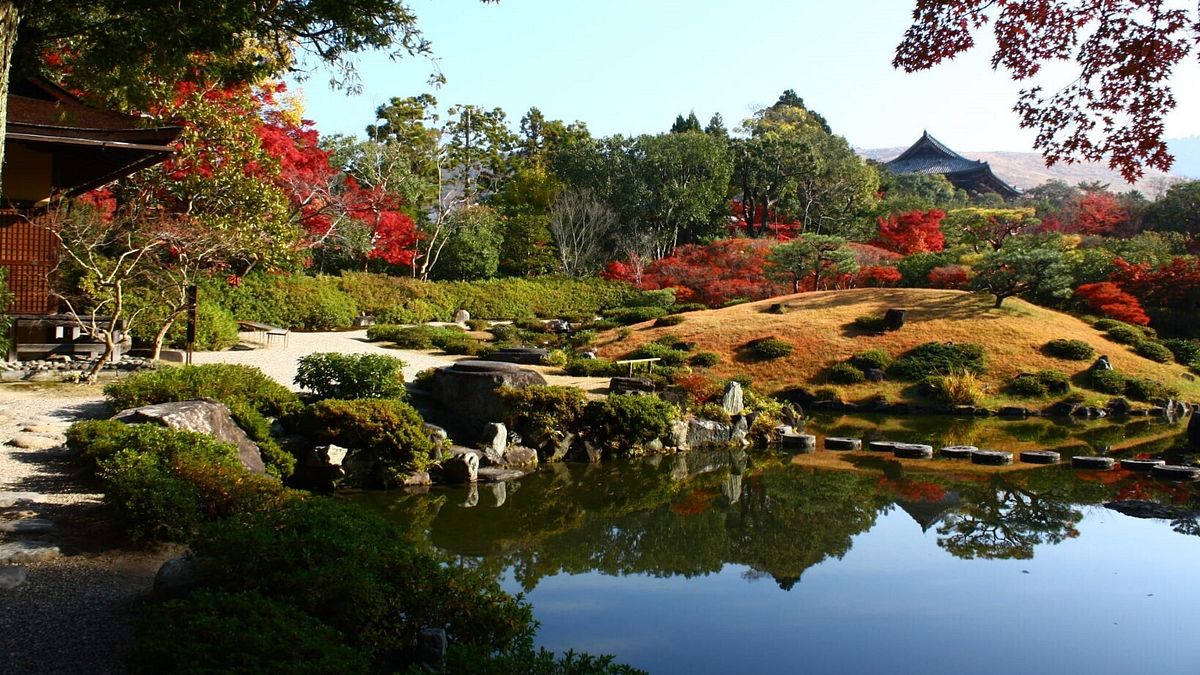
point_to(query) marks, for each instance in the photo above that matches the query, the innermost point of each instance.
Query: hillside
(819, 326)
(1028, 169)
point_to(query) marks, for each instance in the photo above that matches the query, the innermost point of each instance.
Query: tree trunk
(999, 301)
(9, 18)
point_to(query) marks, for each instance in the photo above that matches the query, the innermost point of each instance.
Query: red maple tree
(912, 232)
(713, 273)
(1108, 299)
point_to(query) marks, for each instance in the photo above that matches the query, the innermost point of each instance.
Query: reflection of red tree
(693, 503)
(911, 490)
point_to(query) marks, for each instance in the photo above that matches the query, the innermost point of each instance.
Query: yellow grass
(819, 325)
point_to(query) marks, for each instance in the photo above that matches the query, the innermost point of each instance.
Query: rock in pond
(702, 433)
(494, 474)
(913, 451)
(958, 451)
(991, 457)
(204, 416)
(1040, 457)
(1176, 472)
(882, 446)
(733, 400)
(468, 392)
(1093, 463)
(795, 442)
(842, 443)
(1143, 465)
(462, 467)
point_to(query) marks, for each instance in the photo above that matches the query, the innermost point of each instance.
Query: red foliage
(714, 273)
(1175, 285)
(868, 255)
(103, 201)
(949, 276)
(912, 232)
(877, 276)
(699, 389)
(1108, 299)
(763, 223)
(618, 271)
(1097, 213)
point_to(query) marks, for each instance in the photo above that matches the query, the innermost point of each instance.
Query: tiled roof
(929, 156)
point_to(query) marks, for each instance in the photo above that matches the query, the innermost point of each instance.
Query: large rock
(494, 442)
(463, 467)
(462, 316)
(630, 385)
(177, 578)
(203, 416)
(468, 394)
(1102, 363)
(1193, 431)
(893, 319)
(702, 433)
(20, 552)
(733, 400)
(12, 576)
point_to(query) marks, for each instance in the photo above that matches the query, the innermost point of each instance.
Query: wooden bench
(268, 331)
(632, 362)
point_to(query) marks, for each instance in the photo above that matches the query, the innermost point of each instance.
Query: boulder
(468, 394)
(436, 433)
(1193, 431)
(495, 474)
(1118, 406)
(677, 435)
(558, 448)
(893, 319)
(462, 467)
(519, 455)
(177, 578)
(204, 416)
(1102, 363)
(12, 576)
(34, 442)
(733, 400)
(701, 433)
(28, 552)
(875, 375)
(1014, 411)
(494, 442)
(462, 316)
(630, 385)
(1061, 409)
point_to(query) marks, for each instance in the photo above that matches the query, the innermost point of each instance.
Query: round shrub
(216, 632)
(871, 323)
(1107, 324)
(1126, 335)
(1142, 389)
(478, 324)
(622, 423)
(556, 358)
(1155, 351)
(391, 433)
(654, 350)
(1186, 352)
(627, 316)
(1108, 382)
(1028, 386)
(543, 415)
(769, 348)
(872, 358)
(663, 298)
(1072, 350)
(669, 320)
(844, 373)
(704, 359)
(349, 376)
(937, 358)
(1056, 382)
(689, 307)
(593, 368)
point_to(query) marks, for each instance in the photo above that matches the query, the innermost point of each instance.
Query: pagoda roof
(930, 156)
(91, 147)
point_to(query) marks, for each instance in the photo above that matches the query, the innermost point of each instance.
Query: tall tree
(1031, 265)
(683, 125)
(1125, 50)
(815, 256)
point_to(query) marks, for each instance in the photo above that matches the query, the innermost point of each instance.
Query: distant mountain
(1187, 156)
(1027, 169)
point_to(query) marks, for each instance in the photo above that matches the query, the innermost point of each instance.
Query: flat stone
(1040, 457)
(913, 451)
(1141, 464)
(991, 457)
(27, 526)
(798, 442)
(9, 499)
(33, 442)
(12, 576)
(958, 451)
(1090, 462)
(882, 446)
(28, 552)
(46, 428)
(842, 443)
(492, 474)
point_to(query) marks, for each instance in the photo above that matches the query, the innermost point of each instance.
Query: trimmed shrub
(1142, 389)
(871, 323)
(664, 298)
(872, 358)
(654, 350)
(1040, 384)
(543, 415)
(689, 307)
(349, 376)
(1126, 335)
(221, 632)
(937, 358)
(1072, 350)
(622, 423)
(555, 357)
(390, 431)
(1186, 352)
(295, 301)
(1107, 381)
(593, 368)
(844, 373)
(669, 320)
(250, 395)
(416, 337)
(704, 359)
(628, 316)
(765, 349)
(1155, 351)
(165, 482)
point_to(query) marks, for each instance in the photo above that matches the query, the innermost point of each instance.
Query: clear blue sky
(629, 66)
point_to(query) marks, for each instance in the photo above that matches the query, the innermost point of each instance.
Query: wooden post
(191, 324)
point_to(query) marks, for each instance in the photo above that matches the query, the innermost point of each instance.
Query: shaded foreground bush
(622, 423)
(249, 394)
(543, 415)
(390, 431)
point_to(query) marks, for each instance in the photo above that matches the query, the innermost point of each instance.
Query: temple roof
(929, 156)
(91, 147)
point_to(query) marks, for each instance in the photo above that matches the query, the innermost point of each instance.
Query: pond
(735, 562)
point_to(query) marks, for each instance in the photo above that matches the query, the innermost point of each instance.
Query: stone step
(27, 527)
(12, 576)
(10, 499)
(35, 442)
(27, 552)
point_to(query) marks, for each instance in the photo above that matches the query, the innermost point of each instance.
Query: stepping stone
(914, 451)
(882, 446)
(1176, 472)
(27, 527)
(12, 576)
(991, 457)
(958, 451)
(27, 552)
(1094, 463)
(841, 443)
(10, 499)
(32, 442)
(1141, 464)
(1040, 457)
(46, 428)
(798, 442)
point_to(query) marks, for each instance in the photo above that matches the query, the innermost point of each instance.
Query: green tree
(683, 125)
(472, 251)
(813, 255)
(716, 127)
(985, 229)
(476, 146)
(1177, 211)
(1030, 265)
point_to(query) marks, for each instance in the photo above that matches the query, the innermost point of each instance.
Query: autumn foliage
(712, 273)
(1108, 299)
(954, 277)
(912, 232)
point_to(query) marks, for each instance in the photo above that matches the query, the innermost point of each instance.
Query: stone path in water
(68, 591)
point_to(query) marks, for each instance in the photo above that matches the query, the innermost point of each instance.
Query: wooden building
(929, 156)
(58, 145)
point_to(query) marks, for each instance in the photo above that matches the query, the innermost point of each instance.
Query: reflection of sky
(1120, 598)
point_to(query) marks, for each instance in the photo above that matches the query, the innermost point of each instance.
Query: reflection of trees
(1006, 519)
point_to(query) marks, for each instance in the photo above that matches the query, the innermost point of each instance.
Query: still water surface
(724, 562)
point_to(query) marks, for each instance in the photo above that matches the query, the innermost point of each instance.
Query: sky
(630, 66)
